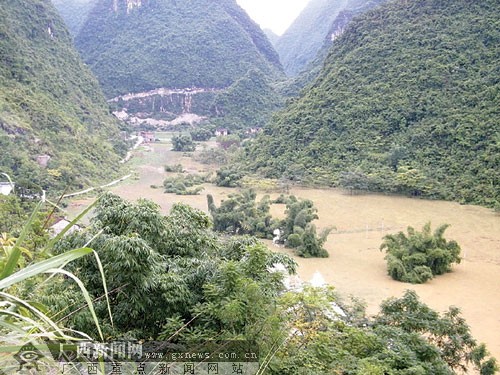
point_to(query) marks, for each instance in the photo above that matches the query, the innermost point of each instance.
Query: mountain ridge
(405, 103)
(50, 104)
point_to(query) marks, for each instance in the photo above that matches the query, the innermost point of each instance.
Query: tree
(448, 333)
(241, 214)
(419, 256)
(183, 143)
(228, 177)
(407, 337)
(201, 134)
(299, 232)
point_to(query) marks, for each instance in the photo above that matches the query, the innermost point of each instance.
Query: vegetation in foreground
(172, 277)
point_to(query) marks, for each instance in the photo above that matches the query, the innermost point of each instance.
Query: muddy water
(356, 266)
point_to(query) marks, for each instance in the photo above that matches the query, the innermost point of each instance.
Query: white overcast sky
(276, 15)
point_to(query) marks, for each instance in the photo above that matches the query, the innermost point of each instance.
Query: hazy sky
(276, 15)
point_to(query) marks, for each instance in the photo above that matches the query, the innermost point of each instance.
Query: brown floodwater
(356, 266)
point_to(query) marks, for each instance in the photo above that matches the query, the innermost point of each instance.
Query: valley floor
(356, 266)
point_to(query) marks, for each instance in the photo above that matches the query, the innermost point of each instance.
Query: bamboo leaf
(53, 241)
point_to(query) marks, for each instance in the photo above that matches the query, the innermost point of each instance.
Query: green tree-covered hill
(407, 102)
(312, 52)
(50, 104)
(319, 23)
(140, 46)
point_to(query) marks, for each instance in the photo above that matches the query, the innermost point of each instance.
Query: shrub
(179, 184)
(419, 256)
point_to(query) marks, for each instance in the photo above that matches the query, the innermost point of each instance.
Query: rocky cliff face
(137, 46)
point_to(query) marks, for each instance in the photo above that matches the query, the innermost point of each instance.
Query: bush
(174, 168)
(179, 185)
(228, 177)
(201, 134)
(419, 256)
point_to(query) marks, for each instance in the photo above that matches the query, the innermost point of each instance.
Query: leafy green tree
(183, 142)
(448, 333)
(419, 256)
(180, 184)
(241, 214)
(228, 177)
(407, 337)
(201, 134)
(145, 256)
(299, 232)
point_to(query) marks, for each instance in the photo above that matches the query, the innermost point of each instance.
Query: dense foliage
(407, 337)
(171, 278)
(407, 99)
(240, 213)
(163, 271)
(299, 232)
(201, 134)
(167, 43)
(228, 177)
(312, 56)
(247, 103)
(181, 184)
(419, 256)
(50, 104)
(183, 142)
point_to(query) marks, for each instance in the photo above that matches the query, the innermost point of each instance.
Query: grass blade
(101, 270)
(86, 295)
(54, 240)
(13, 260)
(44, 266)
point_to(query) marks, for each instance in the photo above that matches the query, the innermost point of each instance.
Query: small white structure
(277, 237)
(59, 226)
(317, 281)
(6, 188)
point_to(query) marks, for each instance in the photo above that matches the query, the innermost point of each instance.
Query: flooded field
(356, 266)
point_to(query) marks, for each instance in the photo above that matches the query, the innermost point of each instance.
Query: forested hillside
(50, 104)
(300, 44)
(167, 43)
(407, 102)
(312, 52)
(136, 47)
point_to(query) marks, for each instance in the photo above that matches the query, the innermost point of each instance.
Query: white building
(6, 188)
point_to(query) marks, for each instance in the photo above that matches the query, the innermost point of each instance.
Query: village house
(149, 136)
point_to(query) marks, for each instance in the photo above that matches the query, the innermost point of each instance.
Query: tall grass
(23, 321)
